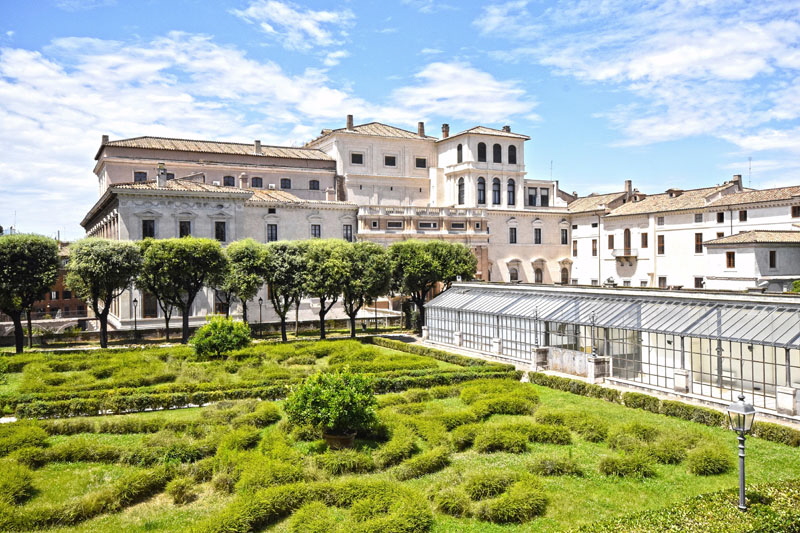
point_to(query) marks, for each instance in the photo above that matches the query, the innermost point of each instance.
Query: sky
(667, 93)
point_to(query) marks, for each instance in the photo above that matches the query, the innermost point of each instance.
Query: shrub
(341, 462)
(224, 483)
(424, 463)
(631, 436)
(709, 461)
(638, 400)
(485, 484)
(313, 517)
(301, 360)
(240, 439)
(522, 502)
(552, 417)
(20, 434)
(555, 466)
(402, 445)
(575, 387)
(494, 439)
(668, 450)
(260, 473)
(462, 437)
(506, 404)
(265, 413)
(700, 415)
(339, 403)
(453, 419)
(181, 490)
(452, 501)
(220, 336)
(635, 465)
(16, 482)
(776, 433)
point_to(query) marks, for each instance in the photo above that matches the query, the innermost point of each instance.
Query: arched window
(257, 183)
(513, 274)
(482, 152)
(497, 153)
(313, 185)
(627, 241)
(537, 275)
(481, 191)
(511, 189)
(496, 191)
(286, 183)
(459, 154)
(565, 276)
(512, 155)
(460, 191)
(229, 181)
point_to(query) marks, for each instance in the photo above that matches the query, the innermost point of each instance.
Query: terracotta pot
(339, 442)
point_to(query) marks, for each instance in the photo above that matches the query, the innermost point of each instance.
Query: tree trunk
(30, 332)
(19, 332)
(296, 317)
(420, 315)
(283, 328)
(244, 312)
(322, 322)
(103, 317)
(166, 323)
(353, 326)
(185, 317)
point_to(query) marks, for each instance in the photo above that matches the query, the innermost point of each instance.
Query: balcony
(623, 255)
(413, 211)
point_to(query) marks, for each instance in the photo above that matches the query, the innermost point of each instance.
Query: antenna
(749, 172)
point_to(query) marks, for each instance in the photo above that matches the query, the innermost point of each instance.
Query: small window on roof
(229, 181)
(257, 183)
(313, 185)
(139, 177)
(286, 183)
(356, 158)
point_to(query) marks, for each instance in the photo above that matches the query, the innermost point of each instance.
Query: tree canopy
(246, 270)
(285, 266)
(99, 270)
(28, 267)
(326, 274)
(369, 276)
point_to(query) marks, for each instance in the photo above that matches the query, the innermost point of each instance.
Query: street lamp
(135, 326)
(741, 415)
(260, 303)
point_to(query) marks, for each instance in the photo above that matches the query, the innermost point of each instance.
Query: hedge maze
(459, 445)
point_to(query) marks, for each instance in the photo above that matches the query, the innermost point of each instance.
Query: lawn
(483, 455)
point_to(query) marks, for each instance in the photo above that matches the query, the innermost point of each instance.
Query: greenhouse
(706, 345)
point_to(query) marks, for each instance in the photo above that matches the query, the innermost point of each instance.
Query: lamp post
(740, 416)
(260, 303)
(135, 325)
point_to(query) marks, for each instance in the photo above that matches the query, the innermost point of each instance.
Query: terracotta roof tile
(217, 147)
(765, 195)
(483, 130)
(758, 237)
(378, 129)
(593, 202)
(178, 184)
(276, 196)
(659, 203)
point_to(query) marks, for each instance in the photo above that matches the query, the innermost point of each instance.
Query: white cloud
(10, 33)
(295, 28)
(429, 6)
(334, 58)
(83, 5)
(431, 51)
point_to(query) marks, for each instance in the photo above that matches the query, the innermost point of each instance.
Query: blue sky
(666, 93)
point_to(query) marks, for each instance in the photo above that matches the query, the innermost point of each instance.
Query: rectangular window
(428, 225)
(316, 231)
(394, 224)
(743, 216)
(68, 294)
(477, 225)
(662, 282)
(626, 283)
(659, 221)
(574, 248)
(420, 162)
(532, 196)
(574, 226)
(374, 224)
(544, 196)
(698, 218)
(721, 217)
(644, 240)
(643, 284)
(219, 231)
(512, 235)
(271, 211)
(594, 247)
(720, 235)
(773, 259)
(795, 211)
(594, 283)
(347, 232)
(698, 243)
(356, 158)
(139, 177)
(148, 228)
(660, 245)
(537, 235)
(610, 242)
(54, 295)
(389, 161)
(184, 228)
(698, 283)
(272, 232)
(594, 224)
(730, 259)
(564, 236)
(460, 225)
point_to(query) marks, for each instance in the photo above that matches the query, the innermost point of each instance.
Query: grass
(57, 483)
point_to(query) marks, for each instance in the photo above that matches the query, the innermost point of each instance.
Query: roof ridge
(210, 141)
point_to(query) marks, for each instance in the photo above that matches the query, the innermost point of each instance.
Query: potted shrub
(338, 404)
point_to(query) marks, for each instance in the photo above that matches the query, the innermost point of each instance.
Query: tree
(155, 280)
(369, 276)
(246, 271)
(28, 267)
(418, 266)
(284, 264)
(325, 275)
(99, 270)
(182, 267)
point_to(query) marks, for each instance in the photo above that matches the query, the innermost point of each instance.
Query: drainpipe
(599, 253)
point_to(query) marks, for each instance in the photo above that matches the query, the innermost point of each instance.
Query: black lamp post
(260, 303)
(741, 415)
(135, 326)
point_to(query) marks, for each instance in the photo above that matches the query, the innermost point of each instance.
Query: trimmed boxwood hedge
(440, 355)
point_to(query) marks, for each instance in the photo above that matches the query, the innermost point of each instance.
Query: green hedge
(694, 413)
(575, 387)
(638, 400)
(440, 355)
(774, 507)
(776, 433)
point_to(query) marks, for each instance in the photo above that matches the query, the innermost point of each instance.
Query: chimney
(737, 179)
(257, 145)
(330, 194)
(628, 189)
(349, 122)
(507, 129)
(161, 175)
(445, 131)
(105, 139)
(421, 129)
(243, 180)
